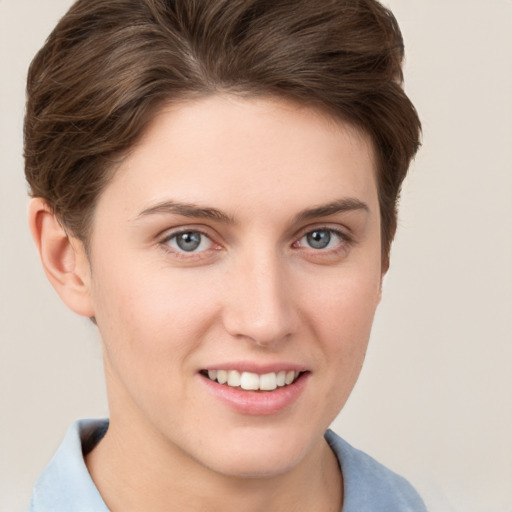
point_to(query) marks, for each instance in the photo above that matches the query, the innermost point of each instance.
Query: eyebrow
(339, 206)
(195, 211)
(187, 210)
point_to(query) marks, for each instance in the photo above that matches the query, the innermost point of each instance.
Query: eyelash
(191, 255)
(345, 241)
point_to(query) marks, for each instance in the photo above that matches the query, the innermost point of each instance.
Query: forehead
(246, 151)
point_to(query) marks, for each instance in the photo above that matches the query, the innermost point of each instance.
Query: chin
(258, 466)
(254, 455)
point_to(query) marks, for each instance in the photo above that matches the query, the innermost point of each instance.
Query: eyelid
(329, 254)
(344, 233)
(204, 242)
(168, 234)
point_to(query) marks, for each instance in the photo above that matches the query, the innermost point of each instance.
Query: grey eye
(319, 239)
(188, 241)
(193, 242)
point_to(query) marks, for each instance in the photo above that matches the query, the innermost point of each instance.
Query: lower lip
(257, 403)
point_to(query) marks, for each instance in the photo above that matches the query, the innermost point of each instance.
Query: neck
(134, 471)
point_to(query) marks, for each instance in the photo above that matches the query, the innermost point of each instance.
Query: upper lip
(259, 368)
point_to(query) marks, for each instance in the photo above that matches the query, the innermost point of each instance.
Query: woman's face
(239, 240)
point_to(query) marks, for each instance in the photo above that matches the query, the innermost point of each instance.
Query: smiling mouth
(250, 381)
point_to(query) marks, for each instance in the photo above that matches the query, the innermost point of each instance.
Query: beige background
(434, 401)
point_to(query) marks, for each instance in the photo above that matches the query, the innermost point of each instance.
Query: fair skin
(238, 235)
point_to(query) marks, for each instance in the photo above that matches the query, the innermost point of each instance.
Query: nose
(260, 305)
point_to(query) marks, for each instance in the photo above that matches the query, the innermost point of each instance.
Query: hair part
(109, 65)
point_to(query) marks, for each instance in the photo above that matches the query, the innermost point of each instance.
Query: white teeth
(233, 378)
(268, 382)
(252, 381)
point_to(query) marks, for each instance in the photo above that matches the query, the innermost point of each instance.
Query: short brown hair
(109, 64)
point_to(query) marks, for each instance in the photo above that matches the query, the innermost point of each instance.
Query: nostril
(259, 303)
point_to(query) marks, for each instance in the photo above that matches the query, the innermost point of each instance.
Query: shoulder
(65, 484)
(370, 486)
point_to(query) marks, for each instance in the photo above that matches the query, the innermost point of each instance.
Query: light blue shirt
(66, 486)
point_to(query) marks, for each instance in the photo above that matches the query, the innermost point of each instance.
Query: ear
(383, 276)
(379, 296)
(63, 257)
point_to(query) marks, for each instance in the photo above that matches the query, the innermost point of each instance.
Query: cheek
(347, 301)
(342, 315)
(150, 314)
(150, 329)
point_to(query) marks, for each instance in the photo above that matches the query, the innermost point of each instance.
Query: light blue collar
(65, 484)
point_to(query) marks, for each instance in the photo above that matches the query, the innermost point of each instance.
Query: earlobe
(63, 258)
(382, 278)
